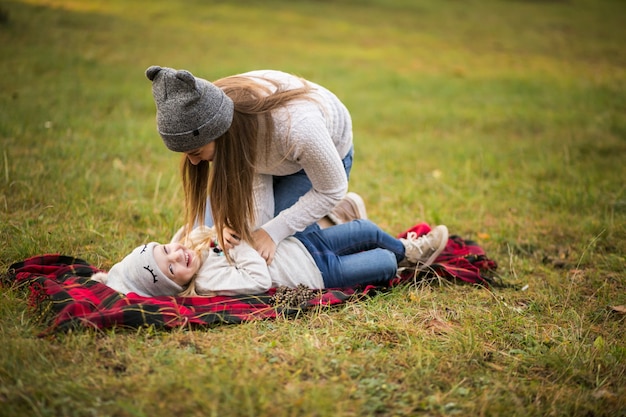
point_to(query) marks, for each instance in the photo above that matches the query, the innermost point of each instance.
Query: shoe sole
(435, 254)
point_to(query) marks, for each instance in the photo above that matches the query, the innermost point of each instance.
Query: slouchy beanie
(138, 272)
(191, 112)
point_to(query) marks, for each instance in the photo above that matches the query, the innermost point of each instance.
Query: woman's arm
(312, 148)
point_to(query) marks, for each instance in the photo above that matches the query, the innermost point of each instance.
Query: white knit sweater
(310, 135)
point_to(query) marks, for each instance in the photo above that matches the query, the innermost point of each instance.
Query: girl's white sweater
(249, 274)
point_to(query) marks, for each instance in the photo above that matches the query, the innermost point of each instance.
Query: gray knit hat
(138, 272)
(191, 112)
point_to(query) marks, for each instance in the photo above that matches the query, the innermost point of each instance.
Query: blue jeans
(288, 189)
(353, 253)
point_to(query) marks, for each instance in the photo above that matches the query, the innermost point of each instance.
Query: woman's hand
(264, 244)
(231, 239)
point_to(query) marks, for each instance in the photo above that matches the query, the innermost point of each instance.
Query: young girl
(353, 253)
(280, 150)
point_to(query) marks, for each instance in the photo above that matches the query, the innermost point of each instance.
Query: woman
(280, 148)
(346, 255)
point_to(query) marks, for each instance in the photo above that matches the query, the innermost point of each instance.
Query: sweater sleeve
(249, 274)
(311, 147)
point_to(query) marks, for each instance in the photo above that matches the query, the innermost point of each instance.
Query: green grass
(503, 119)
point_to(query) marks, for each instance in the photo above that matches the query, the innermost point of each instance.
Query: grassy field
(503, 119)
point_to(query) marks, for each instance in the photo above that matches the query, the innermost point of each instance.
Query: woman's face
(177, 262)
(204, 153)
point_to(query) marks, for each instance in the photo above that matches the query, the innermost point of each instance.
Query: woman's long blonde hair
(228, 183)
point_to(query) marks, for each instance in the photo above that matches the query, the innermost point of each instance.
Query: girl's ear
(100, 277)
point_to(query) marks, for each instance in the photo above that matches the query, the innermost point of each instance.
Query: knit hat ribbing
(138, 272)
(191, 112)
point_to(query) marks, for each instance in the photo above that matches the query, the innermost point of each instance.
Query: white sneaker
(423, 250)
(351, 207)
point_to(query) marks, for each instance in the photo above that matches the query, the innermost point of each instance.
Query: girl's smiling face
(177, 262)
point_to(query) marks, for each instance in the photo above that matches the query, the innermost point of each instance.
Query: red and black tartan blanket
(61, 284)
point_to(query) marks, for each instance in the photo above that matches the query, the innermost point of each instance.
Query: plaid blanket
(61, 285)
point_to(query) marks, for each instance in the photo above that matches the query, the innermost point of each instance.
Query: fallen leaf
(577, 274)
(438, 326)
(619, 309)
(602, 393)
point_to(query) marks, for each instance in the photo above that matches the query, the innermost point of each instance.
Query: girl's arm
(248, 274)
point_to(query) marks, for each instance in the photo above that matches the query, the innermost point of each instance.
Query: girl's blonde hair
(228, 183)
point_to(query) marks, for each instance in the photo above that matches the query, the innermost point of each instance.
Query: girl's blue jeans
(353, 253)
